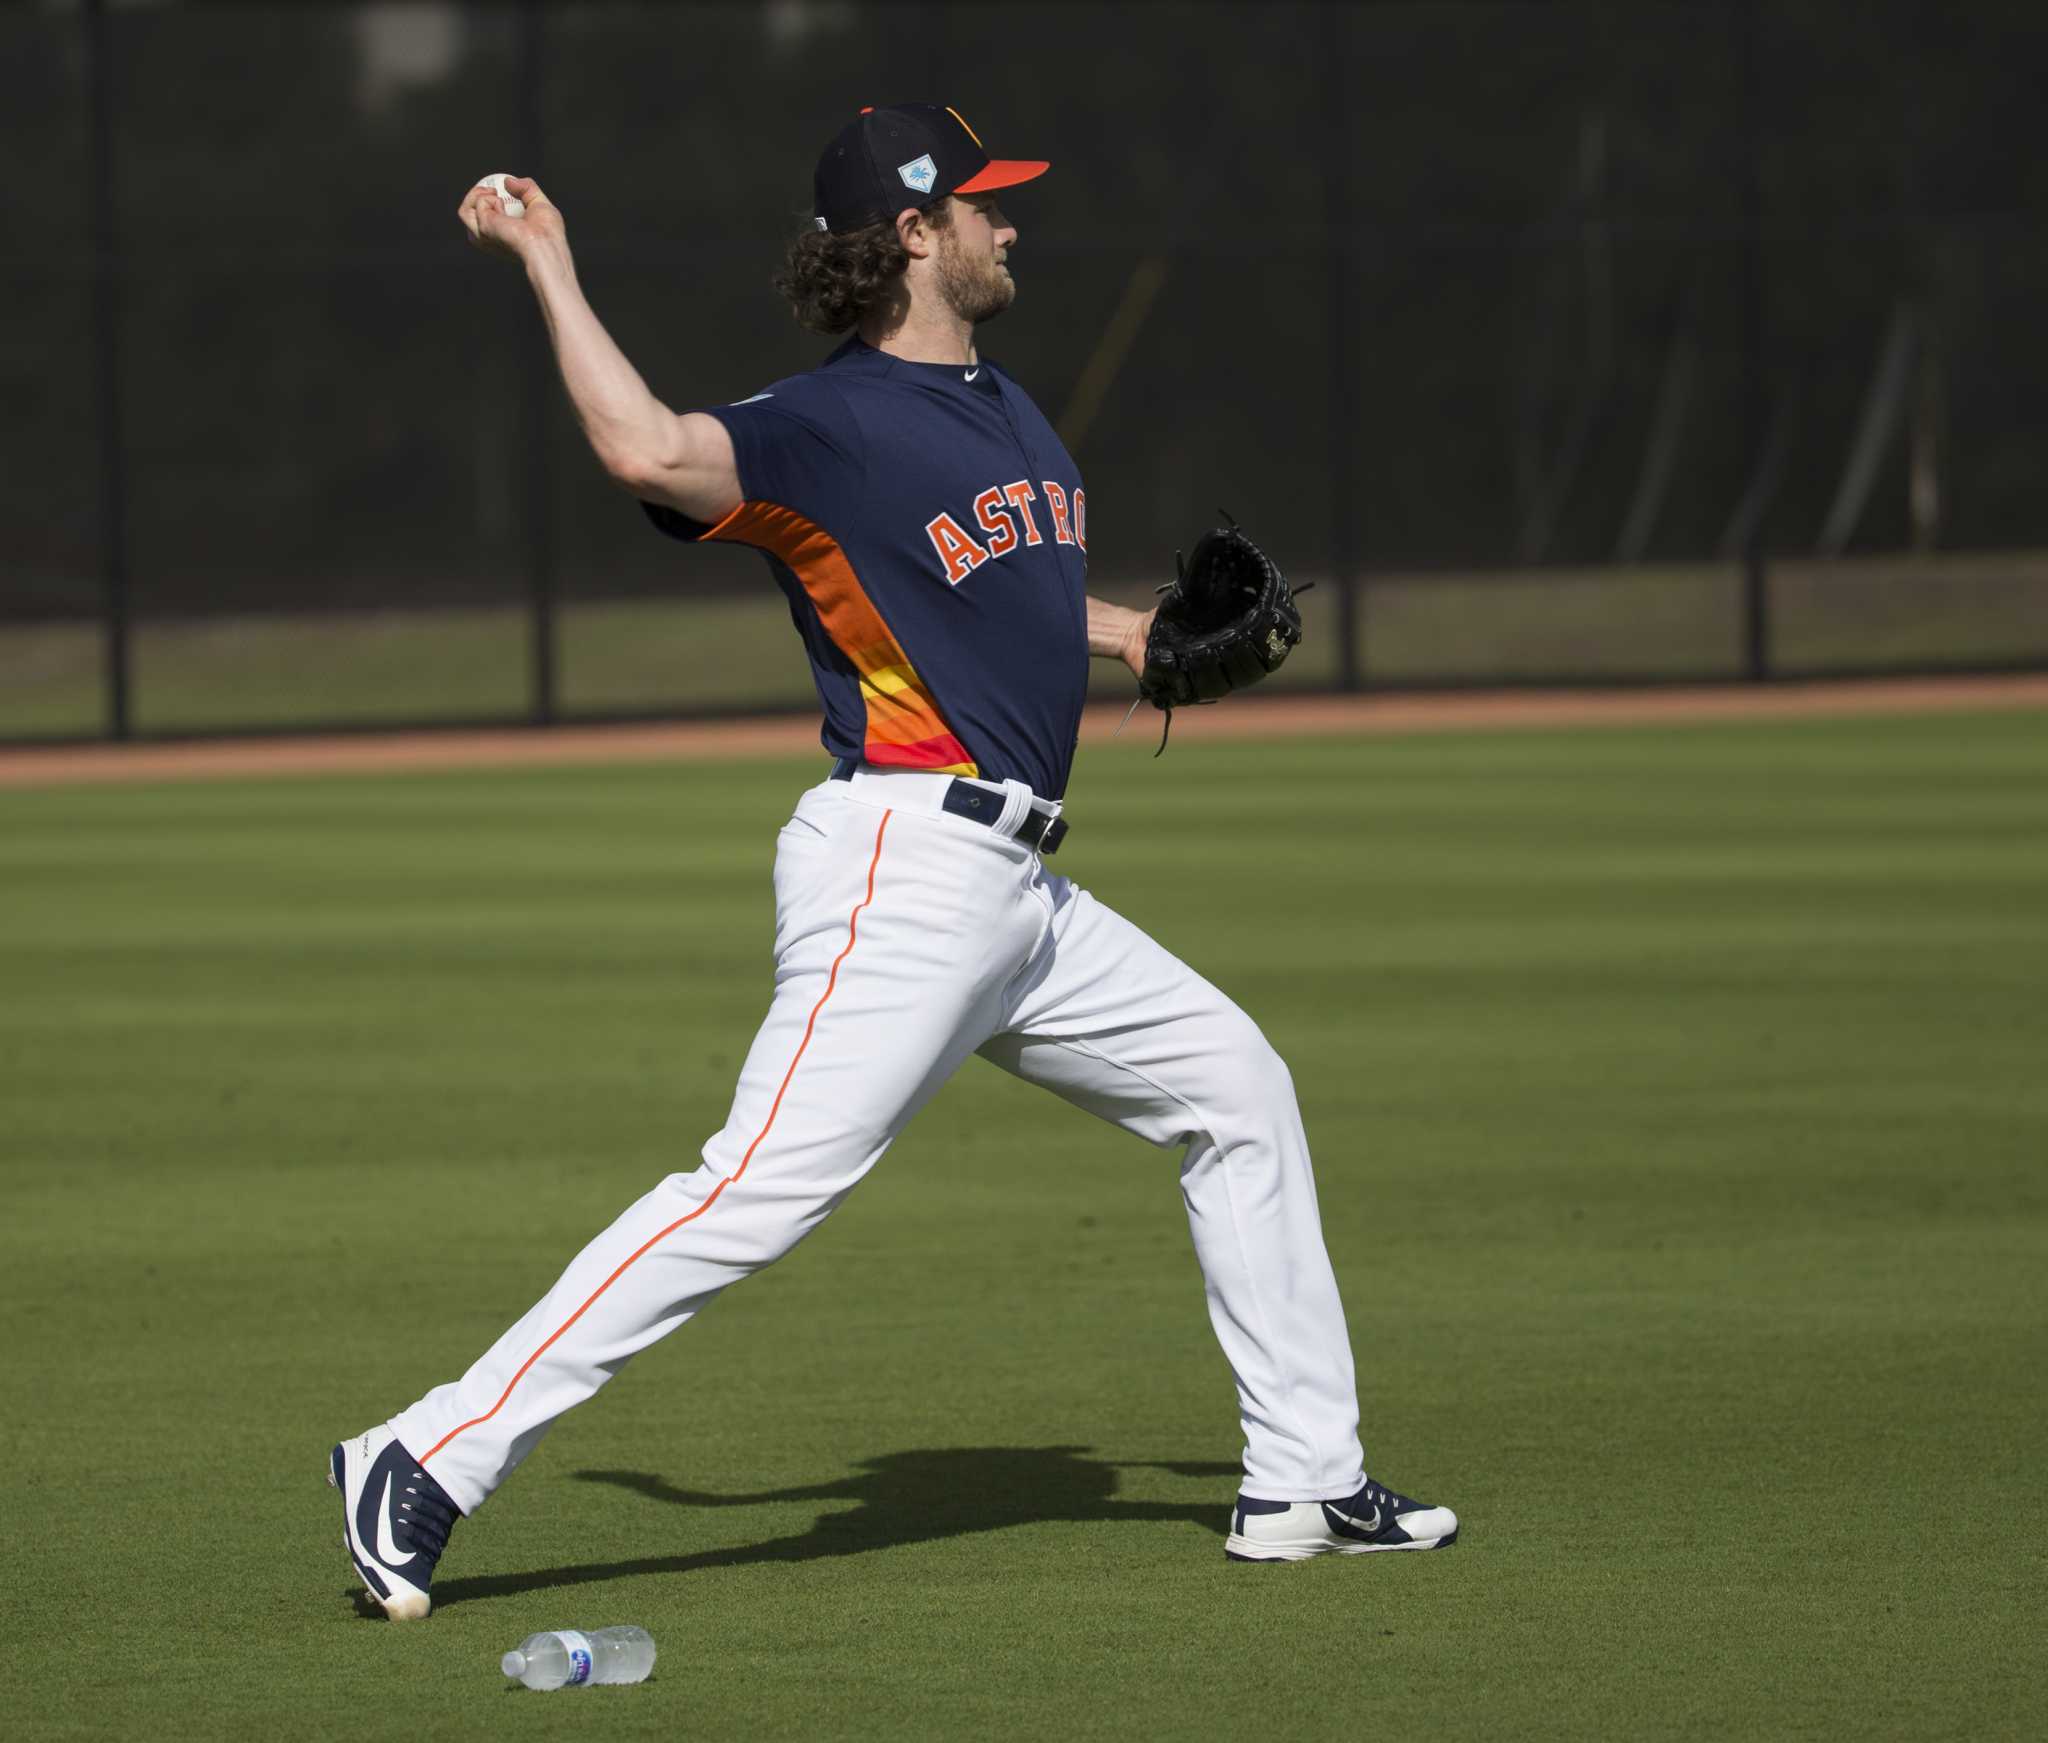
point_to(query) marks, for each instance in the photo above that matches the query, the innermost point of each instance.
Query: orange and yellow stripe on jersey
(905, 729)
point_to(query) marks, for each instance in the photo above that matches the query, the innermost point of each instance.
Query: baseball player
(931, 536)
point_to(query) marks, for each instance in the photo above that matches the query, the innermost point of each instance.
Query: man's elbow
(689, 491)
(689, 467)
(632, 470)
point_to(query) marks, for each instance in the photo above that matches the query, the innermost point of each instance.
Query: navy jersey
(930, 532)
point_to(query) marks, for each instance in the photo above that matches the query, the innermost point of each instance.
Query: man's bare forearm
(1116, 632)
(687, 461)
(627, 427)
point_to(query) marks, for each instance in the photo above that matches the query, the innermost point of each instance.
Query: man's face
(972, 277)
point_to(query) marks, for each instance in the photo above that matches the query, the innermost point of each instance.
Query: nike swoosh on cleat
(1344, 1522)
(387, 1545)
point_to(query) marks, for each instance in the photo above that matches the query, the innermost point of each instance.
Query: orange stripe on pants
(625, 1265)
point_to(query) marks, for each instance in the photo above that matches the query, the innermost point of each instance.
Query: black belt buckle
(1042, 832)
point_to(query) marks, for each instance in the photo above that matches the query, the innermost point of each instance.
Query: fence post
(1340, 338)
(116, 639)
(537, 519)
(1756, 585)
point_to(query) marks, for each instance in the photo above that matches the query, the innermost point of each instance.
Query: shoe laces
(1379, 1495)
(429, 1515)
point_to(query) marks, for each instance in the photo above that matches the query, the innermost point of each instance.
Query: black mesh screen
(1536, 323)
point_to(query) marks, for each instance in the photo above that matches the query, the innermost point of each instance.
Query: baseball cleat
(1374, 1518)
(395, 1520)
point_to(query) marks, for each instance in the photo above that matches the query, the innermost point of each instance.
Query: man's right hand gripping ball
(490, 228)
(1226, 621)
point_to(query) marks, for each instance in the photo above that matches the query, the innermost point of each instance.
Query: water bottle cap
(513, 1664)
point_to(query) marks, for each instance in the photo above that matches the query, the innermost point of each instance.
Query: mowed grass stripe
(1678, 1113)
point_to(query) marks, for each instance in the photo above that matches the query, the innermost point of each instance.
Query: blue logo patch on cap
(920, 173)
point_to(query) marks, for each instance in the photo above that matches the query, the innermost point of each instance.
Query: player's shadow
(898, 1498)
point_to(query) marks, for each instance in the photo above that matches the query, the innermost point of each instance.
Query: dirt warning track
(793, 735)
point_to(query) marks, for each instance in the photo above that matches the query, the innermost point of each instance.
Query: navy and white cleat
(1374, 1518)
(395, 1520)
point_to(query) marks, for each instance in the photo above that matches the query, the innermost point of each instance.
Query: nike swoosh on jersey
(753, 399)
(387, 1545)
(972, 373)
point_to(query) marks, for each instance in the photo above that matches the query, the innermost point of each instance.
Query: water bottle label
(579, 1656)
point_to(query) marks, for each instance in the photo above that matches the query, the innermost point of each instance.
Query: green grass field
(1682, 1133)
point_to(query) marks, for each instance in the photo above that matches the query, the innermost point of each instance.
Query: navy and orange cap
(908, 154)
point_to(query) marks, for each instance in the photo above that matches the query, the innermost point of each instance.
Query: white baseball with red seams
(514, 206)
(907, 938)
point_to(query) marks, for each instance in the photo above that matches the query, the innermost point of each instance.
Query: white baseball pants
(906, 939)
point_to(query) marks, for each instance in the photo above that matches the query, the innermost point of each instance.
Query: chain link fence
(1564, 344)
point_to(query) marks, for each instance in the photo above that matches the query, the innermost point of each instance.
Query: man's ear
(916, 236)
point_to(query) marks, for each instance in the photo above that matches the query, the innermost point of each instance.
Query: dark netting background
(1554, 330)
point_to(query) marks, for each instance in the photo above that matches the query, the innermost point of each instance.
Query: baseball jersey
(930, 533)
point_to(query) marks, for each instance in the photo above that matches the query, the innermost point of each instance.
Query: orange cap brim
(1003, 173)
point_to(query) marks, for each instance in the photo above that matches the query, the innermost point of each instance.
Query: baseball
(514, 207)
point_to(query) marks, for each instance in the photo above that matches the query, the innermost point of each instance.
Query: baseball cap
(907, 154)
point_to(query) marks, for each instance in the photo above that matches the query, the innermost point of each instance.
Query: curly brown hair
(831, 281)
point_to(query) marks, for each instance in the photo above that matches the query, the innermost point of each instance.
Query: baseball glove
(1226, 620)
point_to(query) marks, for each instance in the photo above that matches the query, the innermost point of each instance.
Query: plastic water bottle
(564, 1659)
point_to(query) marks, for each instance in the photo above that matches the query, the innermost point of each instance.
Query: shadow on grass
(900, 1498)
